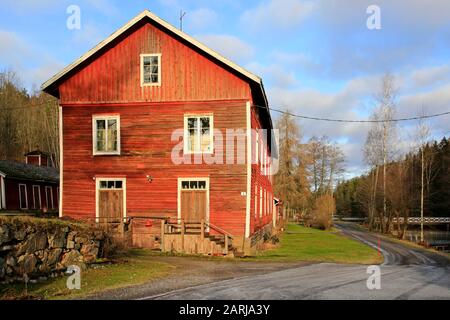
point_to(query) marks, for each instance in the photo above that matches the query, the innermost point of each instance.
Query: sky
(316, 58)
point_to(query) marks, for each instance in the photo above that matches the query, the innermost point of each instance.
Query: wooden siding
(259, 180)
(187, 75)
(146, 148)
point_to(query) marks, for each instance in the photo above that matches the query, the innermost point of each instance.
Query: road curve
(395, 253)
(407, 273)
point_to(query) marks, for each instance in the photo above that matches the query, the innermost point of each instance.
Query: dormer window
(150, 69)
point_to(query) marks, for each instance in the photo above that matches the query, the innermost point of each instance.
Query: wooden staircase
(196, 238)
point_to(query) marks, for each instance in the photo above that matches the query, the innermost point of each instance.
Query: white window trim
(206, 179)
(153, 84)
(97, 198)
(20, 197)
(96, 117)
(257, 149)
(260, 201)
(211, 133)
(34, 198)
(51, 197)
(2, 192)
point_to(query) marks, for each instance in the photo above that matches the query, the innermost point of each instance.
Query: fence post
(226, 245)
(182, 235)
(202, 229)
(163, 225)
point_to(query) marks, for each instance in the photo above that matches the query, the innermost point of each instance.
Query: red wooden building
(31, 187)
(120, 106)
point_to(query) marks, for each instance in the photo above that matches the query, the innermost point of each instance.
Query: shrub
(322, 212)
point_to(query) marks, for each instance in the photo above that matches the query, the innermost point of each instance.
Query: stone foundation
(45, 247)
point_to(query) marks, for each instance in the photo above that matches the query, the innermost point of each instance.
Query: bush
(322, 212)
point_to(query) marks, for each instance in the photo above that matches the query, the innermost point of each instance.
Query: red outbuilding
(31, 187)
(145, 119)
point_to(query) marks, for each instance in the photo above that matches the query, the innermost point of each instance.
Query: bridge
(426, 220)
(401, 220)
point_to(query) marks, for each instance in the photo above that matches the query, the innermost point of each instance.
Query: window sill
(198, 152)
(106, 154)
(151, 84)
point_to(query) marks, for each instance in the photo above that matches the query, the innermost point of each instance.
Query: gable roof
(37, 153)
(11, 169)
(49, 84)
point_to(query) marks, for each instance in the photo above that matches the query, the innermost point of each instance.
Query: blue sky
(316, 58)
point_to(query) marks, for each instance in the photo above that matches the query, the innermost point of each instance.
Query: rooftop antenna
(182, 14)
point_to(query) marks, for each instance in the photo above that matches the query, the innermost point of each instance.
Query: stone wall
(45, 247)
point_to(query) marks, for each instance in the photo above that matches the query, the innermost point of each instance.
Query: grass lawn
(299, 243)
(136, 267)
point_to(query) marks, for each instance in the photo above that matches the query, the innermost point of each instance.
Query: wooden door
(193, 205)
(110, 205)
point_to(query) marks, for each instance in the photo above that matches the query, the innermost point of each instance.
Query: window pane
(100, 124)
(193, 184)
(110, 184)
(205, 137)
(155, 69)
(202, 184)
(102, 184)
(101, 140)
(192, 123)
(112, 135)
(192, 140)
(185, 184)
(118, 184)
(206, 142)
(154, 59)
(204, 122)
(154, 78)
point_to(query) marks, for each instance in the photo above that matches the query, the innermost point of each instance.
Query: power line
(356, 121)
(289, 113)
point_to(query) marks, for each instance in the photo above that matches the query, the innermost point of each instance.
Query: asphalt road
(407, 273)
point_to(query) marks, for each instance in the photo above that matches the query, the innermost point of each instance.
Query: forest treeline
(28, 121)
(404, 185)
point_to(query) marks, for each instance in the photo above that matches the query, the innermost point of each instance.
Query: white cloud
(431, 76)
(352, 102)
(32, 65)
(276, 14)
(273, 75)
(199, 19)
(229, 46)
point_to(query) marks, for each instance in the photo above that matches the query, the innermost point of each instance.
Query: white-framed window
(151, 69)
(49, 197)
(36, 197)
(198, 133)
(23, 196)
(106, 134)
